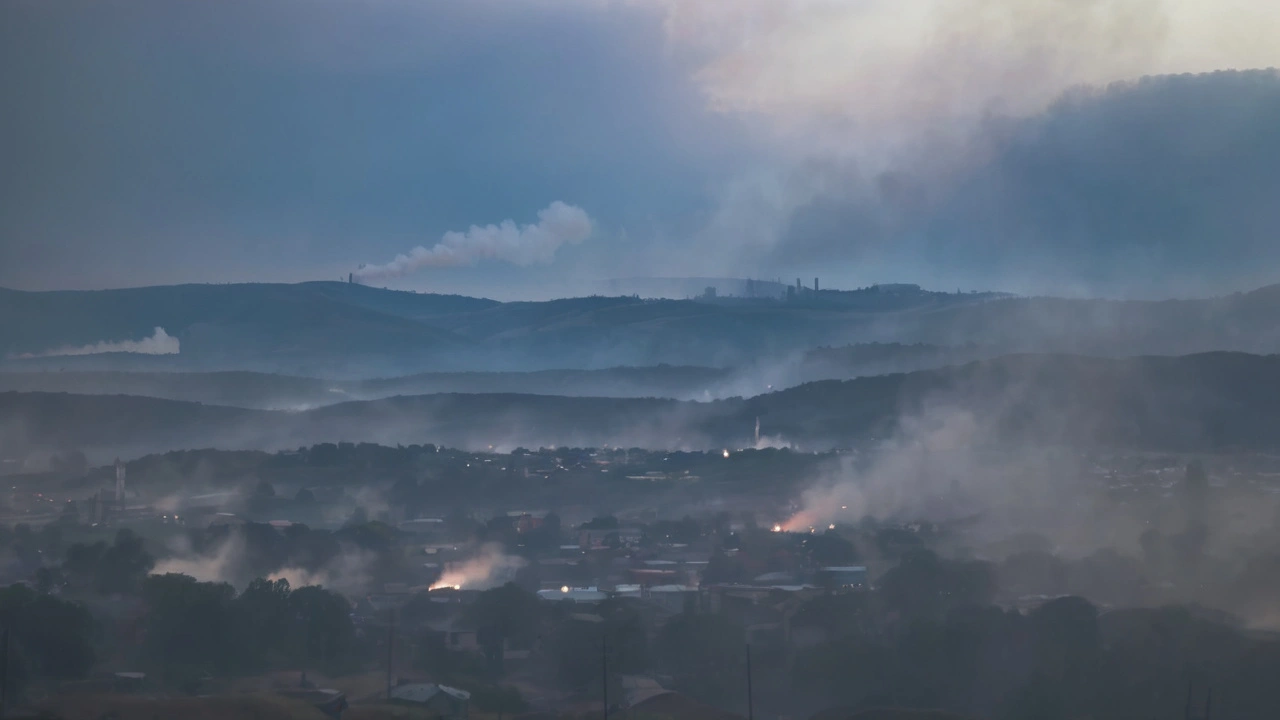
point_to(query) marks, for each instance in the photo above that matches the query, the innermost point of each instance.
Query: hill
(340, 330)
(270, 391)
(1201, 403)
(888, 714)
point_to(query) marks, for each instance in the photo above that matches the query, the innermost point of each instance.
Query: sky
(1123, 148)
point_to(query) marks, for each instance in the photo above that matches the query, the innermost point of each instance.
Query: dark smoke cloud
(1145, 188)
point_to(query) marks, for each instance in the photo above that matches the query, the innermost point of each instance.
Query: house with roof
(439, 700)
(328, 701)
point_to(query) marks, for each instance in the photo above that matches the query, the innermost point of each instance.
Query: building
(422, 525)
(588, 595)
(853, 576)
(673, 598)
(456, 634)
(330, 702)
(595, 539)
(438, 700)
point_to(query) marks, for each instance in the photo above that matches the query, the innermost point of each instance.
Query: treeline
(928, 636)
(1213, 402)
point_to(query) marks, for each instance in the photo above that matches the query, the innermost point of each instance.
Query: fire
(803, 521)
(726, 454)
(490, 568)
(777, 528)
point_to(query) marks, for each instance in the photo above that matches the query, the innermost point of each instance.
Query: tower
(119, 482)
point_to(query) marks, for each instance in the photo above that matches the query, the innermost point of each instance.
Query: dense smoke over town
(923, 360)
(489, 568)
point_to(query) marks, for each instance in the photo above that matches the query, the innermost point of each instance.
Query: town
(623, 579)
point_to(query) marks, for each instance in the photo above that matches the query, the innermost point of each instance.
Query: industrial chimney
(815, 286)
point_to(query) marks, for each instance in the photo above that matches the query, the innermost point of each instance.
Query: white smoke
(909, 474)
(559, 224)
(215, 567)
(160, 343)
(348, 573)
(828, 73)
(490, 568)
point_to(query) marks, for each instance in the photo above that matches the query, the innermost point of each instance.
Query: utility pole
(4, 671)
(391, 639)
(604, 671)
(750, 699)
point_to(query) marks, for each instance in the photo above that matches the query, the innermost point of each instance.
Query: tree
(507, 613)
(607, 522)
(190, 629)
(72, 463)
(118, 568)
(923, 586)
(49, 579)
(1066, 646)
(723, 569)
(575, 649)
(81, 563)
(329, 637)
(70, 514)
(845, 672)
(829, 549)
(1033, 572)
(546, 536)
(627, 634)
(265, 620)
(124, 565)
(56, 636)
(498, 700)
(706, 653)
(1188, 546)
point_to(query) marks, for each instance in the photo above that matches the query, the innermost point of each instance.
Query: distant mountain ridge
(264, 391)
(329, 329)
(1201, 403)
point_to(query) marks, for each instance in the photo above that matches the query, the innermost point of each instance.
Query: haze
(667, 359)
(150, 142)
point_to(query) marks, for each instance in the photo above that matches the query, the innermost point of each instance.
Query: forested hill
(345, 330)
(1209, 402)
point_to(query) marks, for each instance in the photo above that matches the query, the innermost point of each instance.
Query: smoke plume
(214, 567)
(557, 225)
(490, 568)
(160, 343)
(347, 573)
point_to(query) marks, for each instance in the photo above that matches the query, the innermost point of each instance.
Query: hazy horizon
(539, 149)
(547, 358)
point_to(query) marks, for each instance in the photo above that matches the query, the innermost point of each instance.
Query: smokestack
(351, 278)
(815, 285)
